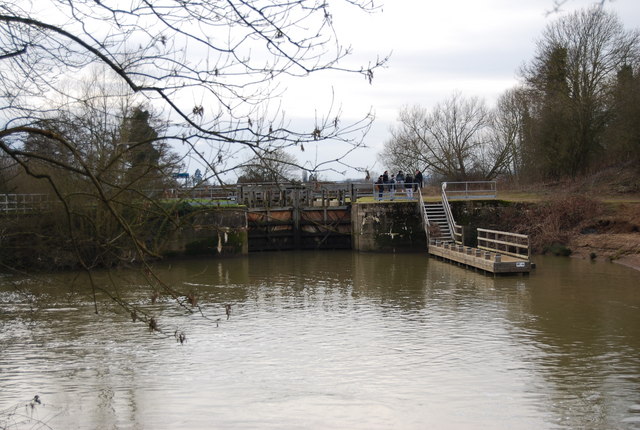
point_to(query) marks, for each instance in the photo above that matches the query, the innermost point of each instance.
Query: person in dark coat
(385, 179)
(418, 179)
(409, 185)
(400, 179)
(380, 186)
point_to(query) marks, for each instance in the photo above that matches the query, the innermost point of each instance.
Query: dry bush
(555, 221)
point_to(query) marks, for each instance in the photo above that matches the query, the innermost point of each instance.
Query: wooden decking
(487, 261)
(497, 252)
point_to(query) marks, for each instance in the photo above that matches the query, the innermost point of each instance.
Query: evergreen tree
(549, 143)
(623, 134)
(579, 56)
(148, 162)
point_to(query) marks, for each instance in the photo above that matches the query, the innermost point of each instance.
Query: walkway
(497, 252)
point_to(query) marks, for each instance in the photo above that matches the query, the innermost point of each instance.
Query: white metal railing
(456, 230)
(425, 218)
(23, 203)
(471, 190)
(391, 191)
(514, 244)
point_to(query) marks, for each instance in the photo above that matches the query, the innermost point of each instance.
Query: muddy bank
(613, 234)
(565, 224)
(615, 247)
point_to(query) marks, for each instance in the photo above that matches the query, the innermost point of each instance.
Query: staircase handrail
(425, 218)
(455, 229)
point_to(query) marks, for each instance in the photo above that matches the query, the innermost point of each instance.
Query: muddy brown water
(328, 340)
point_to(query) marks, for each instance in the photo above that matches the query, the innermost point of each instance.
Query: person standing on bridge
(385, 180)
(380, 186)
(400, 179)
(418, 179)
(409, 185)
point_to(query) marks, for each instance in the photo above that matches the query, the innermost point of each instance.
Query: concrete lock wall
(375, 227)
(219, 232)
(387, 227)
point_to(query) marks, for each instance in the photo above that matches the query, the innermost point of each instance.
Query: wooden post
(296, 212)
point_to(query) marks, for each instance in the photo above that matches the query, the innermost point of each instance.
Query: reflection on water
(332, 340)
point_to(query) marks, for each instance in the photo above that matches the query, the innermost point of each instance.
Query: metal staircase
(437, 222)
(439, 225)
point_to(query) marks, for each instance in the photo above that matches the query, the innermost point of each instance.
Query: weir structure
(324, 215)
(287, 216)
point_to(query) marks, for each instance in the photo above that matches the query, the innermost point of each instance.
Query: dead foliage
(555, 221)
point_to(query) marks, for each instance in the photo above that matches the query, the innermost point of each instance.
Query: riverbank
(595, 218)
(617, 248)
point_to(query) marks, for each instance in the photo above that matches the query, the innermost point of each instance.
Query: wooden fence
(514, 244)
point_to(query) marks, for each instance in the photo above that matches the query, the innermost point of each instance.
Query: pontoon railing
(514, 244)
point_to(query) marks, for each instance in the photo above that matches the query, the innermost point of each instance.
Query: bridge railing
(361, 189)
(504, 242)
(284, 195)
(470, 190)
(23, 203)
(395, 191)
(276, 194)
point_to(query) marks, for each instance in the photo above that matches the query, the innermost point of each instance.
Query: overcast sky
(475, 47)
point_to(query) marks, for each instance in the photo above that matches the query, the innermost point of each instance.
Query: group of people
(400, 181)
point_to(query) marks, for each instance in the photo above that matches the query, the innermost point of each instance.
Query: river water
(327, 340)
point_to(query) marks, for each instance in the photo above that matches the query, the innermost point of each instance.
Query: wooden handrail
(523, 236)
(504, 242)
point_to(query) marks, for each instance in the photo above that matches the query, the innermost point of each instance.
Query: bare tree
(230, 55)
(446, 140)
(278, 166)
(406, 147)
(506, 149)
(212, 68)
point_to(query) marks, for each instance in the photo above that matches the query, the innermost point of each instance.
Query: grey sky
(438, 47)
